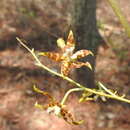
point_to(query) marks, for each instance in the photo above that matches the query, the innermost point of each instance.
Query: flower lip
(55, 109)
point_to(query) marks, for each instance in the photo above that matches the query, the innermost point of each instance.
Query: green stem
(103, 87)
(119, 14)
(38, 63)
(68, 92)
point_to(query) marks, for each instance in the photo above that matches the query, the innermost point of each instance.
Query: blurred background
(40, 23)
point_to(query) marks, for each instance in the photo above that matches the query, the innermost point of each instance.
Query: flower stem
(109, 94)
(68, 92)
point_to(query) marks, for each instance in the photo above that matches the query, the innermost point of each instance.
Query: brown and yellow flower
(67, 57)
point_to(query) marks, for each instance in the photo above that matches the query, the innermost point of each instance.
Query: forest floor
(18, 73)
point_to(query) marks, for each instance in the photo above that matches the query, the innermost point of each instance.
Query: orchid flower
(67, 57)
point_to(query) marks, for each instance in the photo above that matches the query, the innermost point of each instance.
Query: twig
(68, 92)
(38, 63)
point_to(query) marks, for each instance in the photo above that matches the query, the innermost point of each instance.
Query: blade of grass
(117, 10)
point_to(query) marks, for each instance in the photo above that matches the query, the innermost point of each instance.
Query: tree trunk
(87, 37)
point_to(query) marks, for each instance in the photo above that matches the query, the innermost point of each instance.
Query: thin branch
(38, 63)
(103, 87)
(68, 92)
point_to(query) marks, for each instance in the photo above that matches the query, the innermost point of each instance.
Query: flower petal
(81, 53)
(52, 55)
(78, 64)
(61, 43)
(65, 68)
(70, 39)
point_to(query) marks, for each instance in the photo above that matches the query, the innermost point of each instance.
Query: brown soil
(40, 26)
